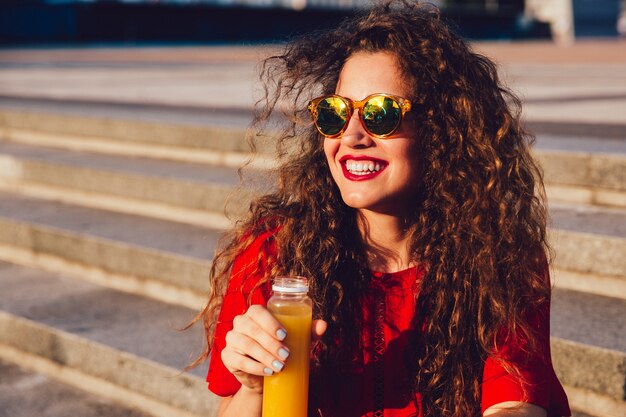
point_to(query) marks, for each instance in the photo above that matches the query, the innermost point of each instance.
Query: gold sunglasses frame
(353, 105)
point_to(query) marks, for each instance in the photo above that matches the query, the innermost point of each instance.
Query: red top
(394, 294)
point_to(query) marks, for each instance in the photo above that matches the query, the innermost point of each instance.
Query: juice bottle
(285, 394)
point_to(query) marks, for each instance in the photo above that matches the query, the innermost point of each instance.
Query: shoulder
(250, 267)
(256, 247)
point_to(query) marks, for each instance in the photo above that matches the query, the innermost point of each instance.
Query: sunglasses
(381, 114)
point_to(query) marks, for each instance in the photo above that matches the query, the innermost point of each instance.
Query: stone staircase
(105, 254)
(109, 219)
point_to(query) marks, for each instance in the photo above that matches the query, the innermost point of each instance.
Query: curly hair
(478, 226)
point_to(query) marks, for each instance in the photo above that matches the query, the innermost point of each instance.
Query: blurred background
(122, 126)
(54, 21)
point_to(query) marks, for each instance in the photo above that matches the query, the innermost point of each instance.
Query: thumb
(318, 328)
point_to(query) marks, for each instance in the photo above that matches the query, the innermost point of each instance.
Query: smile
(361, 168)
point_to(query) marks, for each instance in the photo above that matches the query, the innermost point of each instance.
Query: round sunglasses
(381, 114)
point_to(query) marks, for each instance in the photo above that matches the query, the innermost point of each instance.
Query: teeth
(363, 168)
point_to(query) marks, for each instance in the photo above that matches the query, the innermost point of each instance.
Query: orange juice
(285, 394)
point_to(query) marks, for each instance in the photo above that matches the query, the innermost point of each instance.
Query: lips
(361, 168)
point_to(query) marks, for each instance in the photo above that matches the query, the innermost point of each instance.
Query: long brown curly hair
(478, 226)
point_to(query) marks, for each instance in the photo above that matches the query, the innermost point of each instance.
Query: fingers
(239, 364)
(245, 369)
(318, 328)
(253, 346)
(261, 316)
(267, 360)
(261, 326)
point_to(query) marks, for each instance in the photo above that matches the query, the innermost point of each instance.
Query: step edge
(586, 196)
(613, 286)
(595, 244)
(594, 404)
(112, 146)
(612, 359)
(16, 170)
(8, 118)
(76, 341)
(35, 227)
(144, 287)
(184, 382)
(215, 220)
(124, 249)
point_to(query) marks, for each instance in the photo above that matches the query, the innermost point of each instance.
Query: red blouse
(392, 298)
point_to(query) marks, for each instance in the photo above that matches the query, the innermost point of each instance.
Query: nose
(355, 135)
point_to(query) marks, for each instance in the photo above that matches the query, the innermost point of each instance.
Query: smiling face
(381, 175)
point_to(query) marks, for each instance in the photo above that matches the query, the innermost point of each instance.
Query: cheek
(331, 146)
(412, 162)
(417, 169)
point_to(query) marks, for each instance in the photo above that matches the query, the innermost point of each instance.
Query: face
(381, 175)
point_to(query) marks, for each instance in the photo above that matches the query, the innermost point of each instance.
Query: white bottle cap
(293, 285)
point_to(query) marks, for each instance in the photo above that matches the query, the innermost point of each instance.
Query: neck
(386, 240)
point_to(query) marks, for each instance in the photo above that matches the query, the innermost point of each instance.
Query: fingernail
(278, 365)
(283, 353)
(281, 333)
(268, 371)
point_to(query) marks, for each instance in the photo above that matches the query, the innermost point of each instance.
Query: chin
(360, 202)
(355, 204)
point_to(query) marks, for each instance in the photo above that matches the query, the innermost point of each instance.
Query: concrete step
(590, 243)
(196, 193)
(149, 112)
(188, 192)
(114, 344)
(162, 259)
(580, 169)
(171, 134)
(590, 248)
(589, 350)
(169, 259)
(150, 257)
(587, 169)
(24, 393)
(57, 322)
(180, 191)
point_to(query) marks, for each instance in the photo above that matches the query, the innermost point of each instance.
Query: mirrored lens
(381, 115)
(332, 114)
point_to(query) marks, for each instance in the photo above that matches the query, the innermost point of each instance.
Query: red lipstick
(365, 176)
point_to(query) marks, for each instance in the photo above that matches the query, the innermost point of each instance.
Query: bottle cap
(291, 285)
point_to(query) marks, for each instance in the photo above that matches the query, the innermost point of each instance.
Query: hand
(318, 328)
(254, 348)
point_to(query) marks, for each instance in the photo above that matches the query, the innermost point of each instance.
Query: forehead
(365, 73)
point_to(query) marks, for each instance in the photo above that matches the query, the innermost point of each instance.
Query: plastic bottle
(285, 394)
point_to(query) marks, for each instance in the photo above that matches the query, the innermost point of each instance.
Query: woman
(410, 203)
